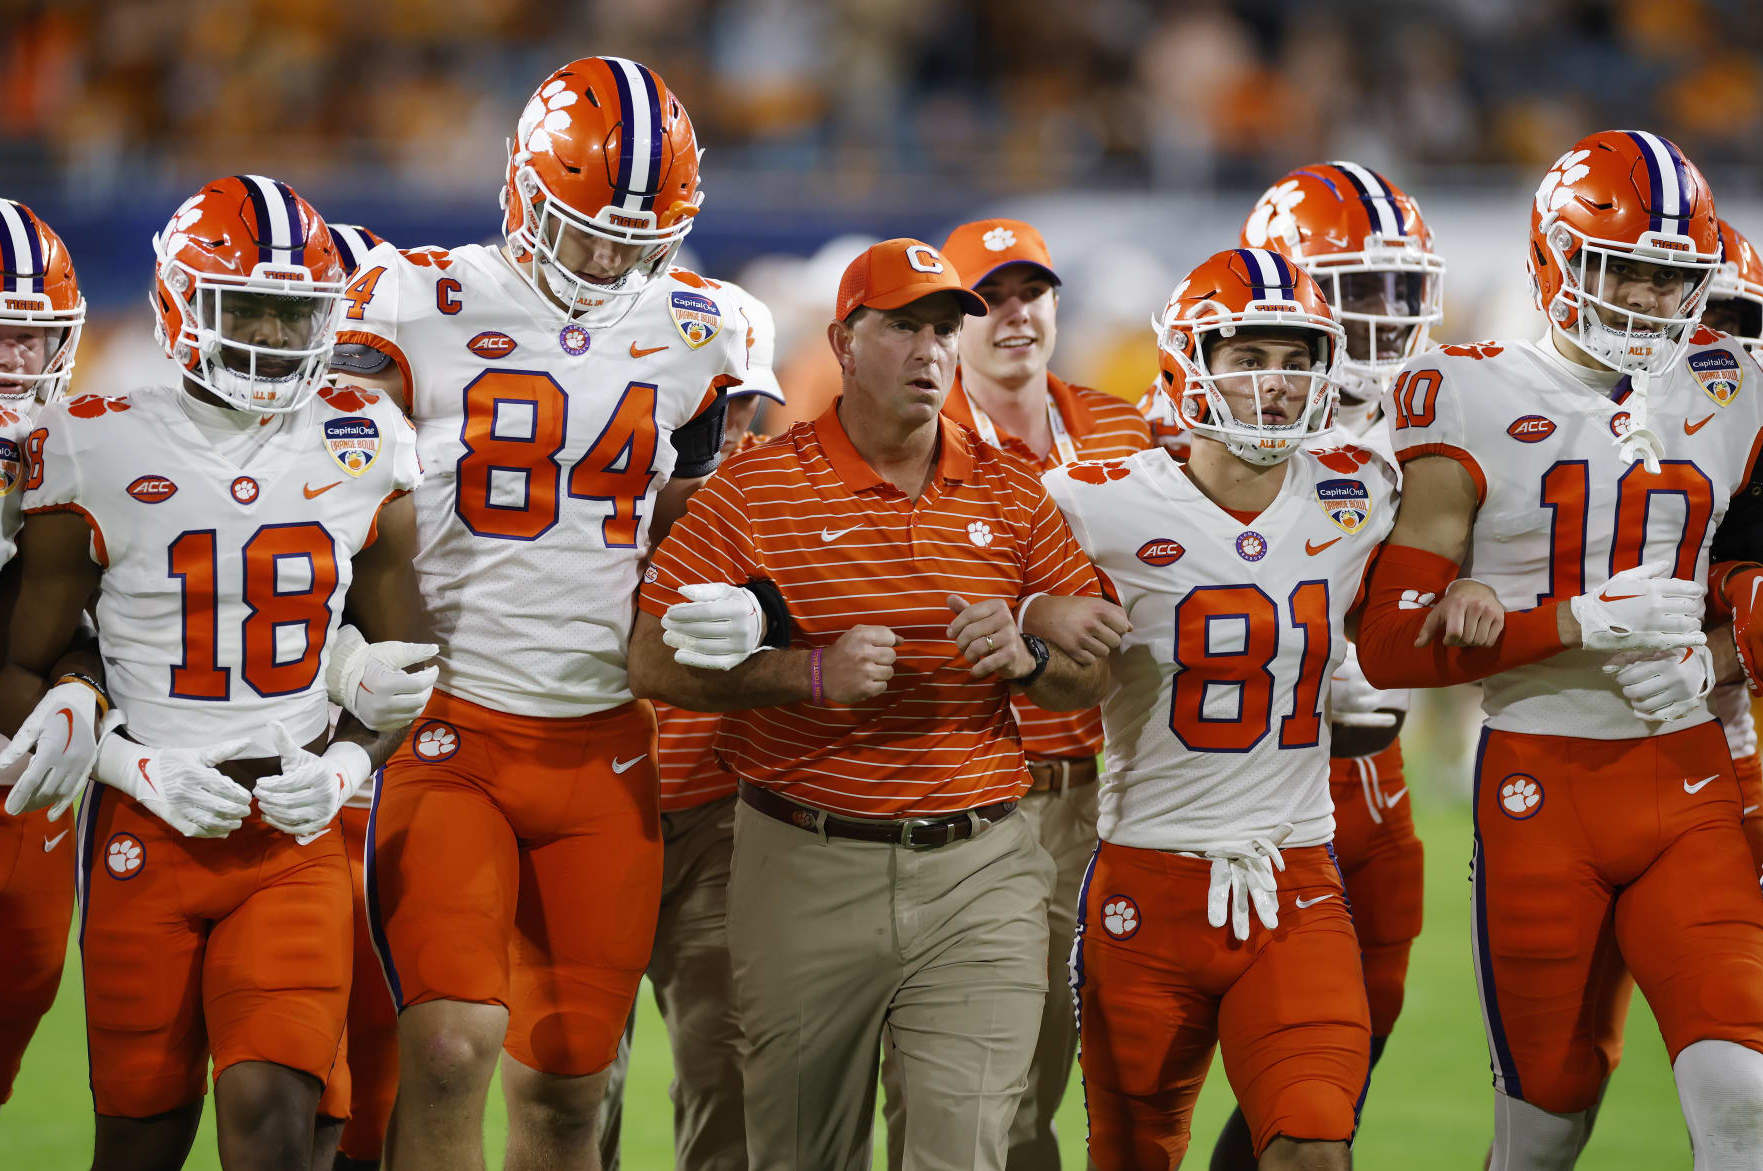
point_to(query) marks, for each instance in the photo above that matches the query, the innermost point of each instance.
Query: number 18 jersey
(545, 444)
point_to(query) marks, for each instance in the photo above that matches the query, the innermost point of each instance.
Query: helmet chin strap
(1639, 441)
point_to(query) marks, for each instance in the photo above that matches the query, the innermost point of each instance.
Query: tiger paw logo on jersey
(574, 339)
(1620, 423)
(1120, 917)
(435, 740)
(1251, 545)
(1347, 502)
(244, 490)
(696, 317)
(1531, 428)
(96, 406)
(348, 399)
(1719, 374)
(11, 466)
(1521, 796)
(1474, 350)
(1098, 472)
(1345, 460)
(124, 855)
(1161, 551)
(353, 442)
(980, 533)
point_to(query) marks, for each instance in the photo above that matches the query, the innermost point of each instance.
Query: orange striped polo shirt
(846, 548)
(1101, 427)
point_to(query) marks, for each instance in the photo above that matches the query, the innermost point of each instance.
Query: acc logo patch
(152, 489)
(1120, 917)
(435, 740)
(696, 317)
(1521, 796)
(1161, 551)
(491, 344)
(1719, 374)
(11, 466)
(124, 855)
(1347, 502)
(244, 490)
(1251, 545)
(353, 442)
(1531, 428)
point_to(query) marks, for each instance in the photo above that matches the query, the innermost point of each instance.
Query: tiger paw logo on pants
(124, 855)
(435, 740)
(1120, 917)
(1521, 796)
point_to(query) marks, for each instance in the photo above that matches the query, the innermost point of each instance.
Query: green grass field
(1429, 1104)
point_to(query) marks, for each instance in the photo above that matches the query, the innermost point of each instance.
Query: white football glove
(718, 629)
(61, 734)
(370, 680)
(179, 786)
(1242, 876)
(1664, 686)
(304, 797)
(1641, 609)
(1353, 701)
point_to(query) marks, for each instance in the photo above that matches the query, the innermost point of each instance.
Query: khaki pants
(1065, 824)
(690, 974)
(840, 946)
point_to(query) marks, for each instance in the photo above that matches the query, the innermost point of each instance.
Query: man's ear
(839, 336)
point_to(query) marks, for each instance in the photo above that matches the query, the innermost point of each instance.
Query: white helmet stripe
(277, 223)
(637, 130)
(1266, 273)
(1671, 209)
(15, 245)
(1378, 197)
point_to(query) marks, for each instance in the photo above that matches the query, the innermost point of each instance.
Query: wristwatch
(1037, 647)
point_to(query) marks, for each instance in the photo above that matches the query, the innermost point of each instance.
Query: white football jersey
(1215, 716)
(1731, 703)
(15, 427)
(545, 445)
(1561, 511)
(222, 584)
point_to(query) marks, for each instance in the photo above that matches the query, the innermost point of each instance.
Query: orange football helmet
(248, 290)
(604, 152)
(1366, 243)
(1735, 299)
(1247, 288)
(353, 242)
(38, 290)
(1617, 197)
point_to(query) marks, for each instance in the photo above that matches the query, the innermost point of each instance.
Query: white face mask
(1254, 441)
(294, 325)
(1625, 339)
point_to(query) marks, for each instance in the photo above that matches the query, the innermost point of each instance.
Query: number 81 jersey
(544, 445)
(1214, 718)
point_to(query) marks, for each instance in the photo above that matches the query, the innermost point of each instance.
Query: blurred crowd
(868, 95)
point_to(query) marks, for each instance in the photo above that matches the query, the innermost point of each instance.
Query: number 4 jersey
(1214, 719)
(545, 444)
(1560, 510)
(222, 584)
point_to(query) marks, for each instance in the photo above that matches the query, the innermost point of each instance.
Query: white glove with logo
(1641, 609)
(179, 786)
(1666, 686)
(304, 797)
(61, 734)
(1353, 701)
(718, 629)
(370, 680)
(1242, 876)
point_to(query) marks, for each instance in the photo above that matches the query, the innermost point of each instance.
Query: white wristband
(1022, 610)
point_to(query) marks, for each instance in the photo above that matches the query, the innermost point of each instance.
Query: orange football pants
(1158, 987)
(236, 947)
(517, 860)
(1595, 859)
(1384, 867)
(372, 1081)
(1750, 777)
(36, 908)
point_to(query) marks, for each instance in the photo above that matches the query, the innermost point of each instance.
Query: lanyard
(1062, 443)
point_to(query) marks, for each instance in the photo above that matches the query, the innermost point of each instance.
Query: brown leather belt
(915, 833)
(1061, 773)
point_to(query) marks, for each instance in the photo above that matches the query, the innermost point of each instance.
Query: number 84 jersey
(544, 444)
(1214, 718)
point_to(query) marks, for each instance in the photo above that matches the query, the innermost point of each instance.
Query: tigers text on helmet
(602, 186)
(38, 290)
(248, 290)
(1617, 201)
(1735, 299)
(1251, 289)
(1364, 241)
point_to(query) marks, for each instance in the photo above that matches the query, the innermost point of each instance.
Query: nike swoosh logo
(1302, 903)
(1749, 809)
(1690, 428)
(50, 843)
(831, 535)
(644, 353)
(1699, 785)
(1390, 802)
(142, 765)
(1616, 597)
(312, 492)
(1312, 548)
(622, 766)
(68, 716)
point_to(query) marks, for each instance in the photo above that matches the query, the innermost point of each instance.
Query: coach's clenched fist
(985, 634)
(859, 665)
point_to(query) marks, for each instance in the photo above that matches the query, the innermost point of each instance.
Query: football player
(568, 393)
(1365, 242)
(222, 525)
(1213, 913)
(41, 312)
(1580, 476)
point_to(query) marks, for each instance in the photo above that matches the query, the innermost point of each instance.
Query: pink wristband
(816, 693)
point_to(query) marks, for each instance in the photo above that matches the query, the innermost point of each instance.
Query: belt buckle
(912, 823)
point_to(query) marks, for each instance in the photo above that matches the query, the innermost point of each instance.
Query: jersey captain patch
(696, 317)
(1719, 374)
(354, 442)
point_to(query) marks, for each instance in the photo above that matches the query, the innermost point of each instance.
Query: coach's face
(902, 361)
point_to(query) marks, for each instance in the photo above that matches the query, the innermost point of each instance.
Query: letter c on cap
(924, 258)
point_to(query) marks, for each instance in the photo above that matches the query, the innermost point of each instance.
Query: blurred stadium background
(1136, 134)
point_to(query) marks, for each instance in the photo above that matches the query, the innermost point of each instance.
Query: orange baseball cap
(898, 272)
(981, 248)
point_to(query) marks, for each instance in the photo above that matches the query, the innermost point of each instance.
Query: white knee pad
(1529, 1138)
(1720, 1084)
